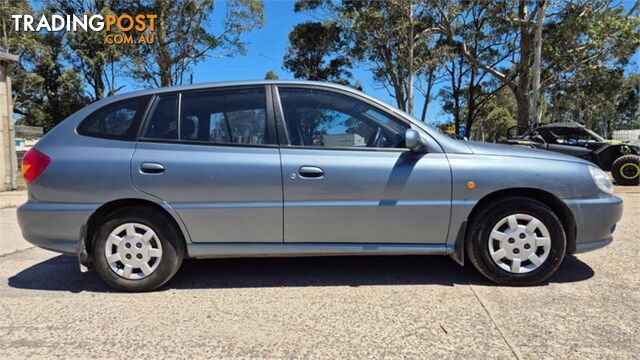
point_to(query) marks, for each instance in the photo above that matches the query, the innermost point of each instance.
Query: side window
(116, 121)
(163, 124)
(327, 119)
(224, 116)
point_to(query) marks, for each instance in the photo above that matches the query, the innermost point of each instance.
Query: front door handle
(151, 168)
(310, 172)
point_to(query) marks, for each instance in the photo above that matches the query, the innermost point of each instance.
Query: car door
(212, 156)
(347, 177)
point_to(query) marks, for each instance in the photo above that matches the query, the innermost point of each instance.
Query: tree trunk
(523, 103)
(521, 90)
(471, 102)
(536, 112)
(99, 83)
(427, 95)
(455, 92)
(164, 59)
(410, 64)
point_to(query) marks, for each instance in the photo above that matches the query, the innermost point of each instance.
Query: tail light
(33, 164)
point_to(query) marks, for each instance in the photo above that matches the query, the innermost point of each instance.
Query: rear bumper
(596, 220)
(54, 226)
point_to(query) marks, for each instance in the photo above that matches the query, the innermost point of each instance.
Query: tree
(541, 9)
(592, 32)
(183, 36)
(426, 82)
(55, 91)
(11, 40)
(95, 59)
(628, 104)
(270, 75)
(585, 58)
(45, 89)
(25, 45)
(469, 87)
(510, 21)
(316, 52)
(495, 118)
(392, 38)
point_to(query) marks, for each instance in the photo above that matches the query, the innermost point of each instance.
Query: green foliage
(184, 36)
(14, 41)
(96, 60)
(586, 52)
(479, 53)
(495, 118)
(45, 89)
(628, 104)
(391, 38)
(271, 75)
(316, 52)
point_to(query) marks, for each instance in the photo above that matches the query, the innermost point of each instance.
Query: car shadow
(61, 273)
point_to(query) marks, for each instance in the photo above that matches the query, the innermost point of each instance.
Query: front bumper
(596, 220)
(54, 226)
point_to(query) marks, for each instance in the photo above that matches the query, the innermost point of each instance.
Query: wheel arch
(93, 222)
(553, 202)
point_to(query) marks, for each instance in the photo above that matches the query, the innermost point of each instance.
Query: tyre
(626, 170)
(137, 249)
(516, 241)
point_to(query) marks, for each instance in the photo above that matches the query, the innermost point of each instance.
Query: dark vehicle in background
(622, 159)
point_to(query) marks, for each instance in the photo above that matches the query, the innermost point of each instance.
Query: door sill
(236, 250)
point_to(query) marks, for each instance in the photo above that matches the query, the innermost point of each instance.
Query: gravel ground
(11, 199)
(337, 307)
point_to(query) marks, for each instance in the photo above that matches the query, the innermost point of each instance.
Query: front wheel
(516, 241)
(626, 170)
(137, 249)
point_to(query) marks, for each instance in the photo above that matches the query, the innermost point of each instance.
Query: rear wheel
(137, 249)
(626, 170)
(516, 241)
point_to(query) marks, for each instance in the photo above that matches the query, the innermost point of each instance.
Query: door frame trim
(245, 250)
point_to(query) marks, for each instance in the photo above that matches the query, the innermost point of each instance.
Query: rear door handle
(151, 168)
(310, 172)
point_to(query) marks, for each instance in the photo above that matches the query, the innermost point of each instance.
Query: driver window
(327, 119)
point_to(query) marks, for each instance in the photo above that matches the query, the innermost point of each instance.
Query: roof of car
(562, 124)
(234, 83)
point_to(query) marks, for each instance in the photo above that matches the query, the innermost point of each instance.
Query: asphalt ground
(335, 307)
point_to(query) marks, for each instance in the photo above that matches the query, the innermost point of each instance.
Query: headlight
(601, 179)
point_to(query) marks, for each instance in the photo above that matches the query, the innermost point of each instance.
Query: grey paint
(217, 190)
(206, 251)
(224, 198)
(366, 196)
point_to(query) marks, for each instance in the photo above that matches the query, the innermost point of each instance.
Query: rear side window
(163, 124)
(117, 121)
(224, 116)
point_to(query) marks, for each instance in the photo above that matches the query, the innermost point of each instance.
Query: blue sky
(265, 51)
(266, 48)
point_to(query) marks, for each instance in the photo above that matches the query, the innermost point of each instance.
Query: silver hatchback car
(135, 183)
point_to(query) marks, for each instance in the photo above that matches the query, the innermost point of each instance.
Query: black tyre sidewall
(487, 219)
(170, 238)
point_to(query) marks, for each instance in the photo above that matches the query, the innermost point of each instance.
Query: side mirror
(413, 141)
